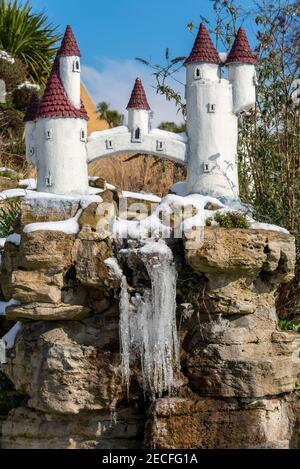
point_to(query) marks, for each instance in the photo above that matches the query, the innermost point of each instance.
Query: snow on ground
(11, 335)
(141, 195)
(6, 304)
(28, 183)
(115, 271)
(14, 238)
(86, 200)
(29, 85)
(266, 226)
(116, 130)
(14, 193)
(69, 226)
(158, 223)
(182, 137)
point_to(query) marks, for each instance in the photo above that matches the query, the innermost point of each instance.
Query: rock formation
(236, 386)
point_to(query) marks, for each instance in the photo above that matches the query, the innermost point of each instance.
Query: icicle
(148, 321)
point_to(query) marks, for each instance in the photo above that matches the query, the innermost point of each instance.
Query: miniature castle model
(56, 127)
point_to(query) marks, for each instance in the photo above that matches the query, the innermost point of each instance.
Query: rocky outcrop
(236, 388)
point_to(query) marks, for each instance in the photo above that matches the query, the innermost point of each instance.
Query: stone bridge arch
(108, 143)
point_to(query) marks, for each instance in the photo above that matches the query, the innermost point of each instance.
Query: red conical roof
(138, 98)
(69, 45)
(32, 108)
(241, 50)
(203, 48)
(55, 102)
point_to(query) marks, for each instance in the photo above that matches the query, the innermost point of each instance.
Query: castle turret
(69, 67)
(61, 135)
(138, 111)
(30, 129)
(241, 73)
(211, 124)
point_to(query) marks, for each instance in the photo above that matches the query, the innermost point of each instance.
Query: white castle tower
(61, 127)
(212, 107)
(56, 127)
(138, 112)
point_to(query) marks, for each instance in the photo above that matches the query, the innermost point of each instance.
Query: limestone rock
(244, 251)
(68, 367)
(46, 312)
(98, 216)
(29, 429)
(98, 182)
(32, 286)
(89, 257)
(213, 423)
(37, 209)
(47, 251)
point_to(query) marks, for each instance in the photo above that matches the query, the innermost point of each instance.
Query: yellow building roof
(94, 123)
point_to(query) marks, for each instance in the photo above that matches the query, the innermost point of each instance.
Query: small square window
(159, 145)
(82, 135)
(109, 144)
(206, 167)
(49, 134)
(211, 107)
(48, 181)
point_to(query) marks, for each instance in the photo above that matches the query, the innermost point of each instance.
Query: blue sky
(112, 33)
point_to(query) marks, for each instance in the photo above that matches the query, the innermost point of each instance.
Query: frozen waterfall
(148, 321)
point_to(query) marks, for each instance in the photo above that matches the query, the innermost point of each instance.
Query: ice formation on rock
(148, 321)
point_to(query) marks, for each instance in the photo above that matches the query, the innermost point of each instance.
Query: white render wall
(212, 137)
(138, 118)
(242, 77)
(207, 71)
(70, 79)
(62, 157)
(30, 142)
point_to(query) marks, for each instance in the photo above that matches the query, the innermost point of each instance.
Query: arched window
(137, 134)
(76, 65)
(198, 73)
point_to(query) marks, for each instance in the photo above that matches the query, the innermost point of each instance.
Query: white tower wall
(212, 133)
(207, 71)
(242, 77)
(138, 118)
(70, 78)
(30, 142)
(62, 156)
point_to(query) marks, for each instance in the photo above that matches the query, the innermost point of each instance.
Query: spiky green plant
(8, 217)
(28, 36)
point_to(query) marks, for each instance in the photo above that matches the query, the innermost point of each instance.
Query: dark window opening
(137, 134)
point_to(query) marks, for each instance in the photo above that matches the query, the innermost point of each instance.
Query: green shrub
(9, 174)
(8, 217)
(232, 220)
(208, 221)
(288, 325)
(13, 74)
